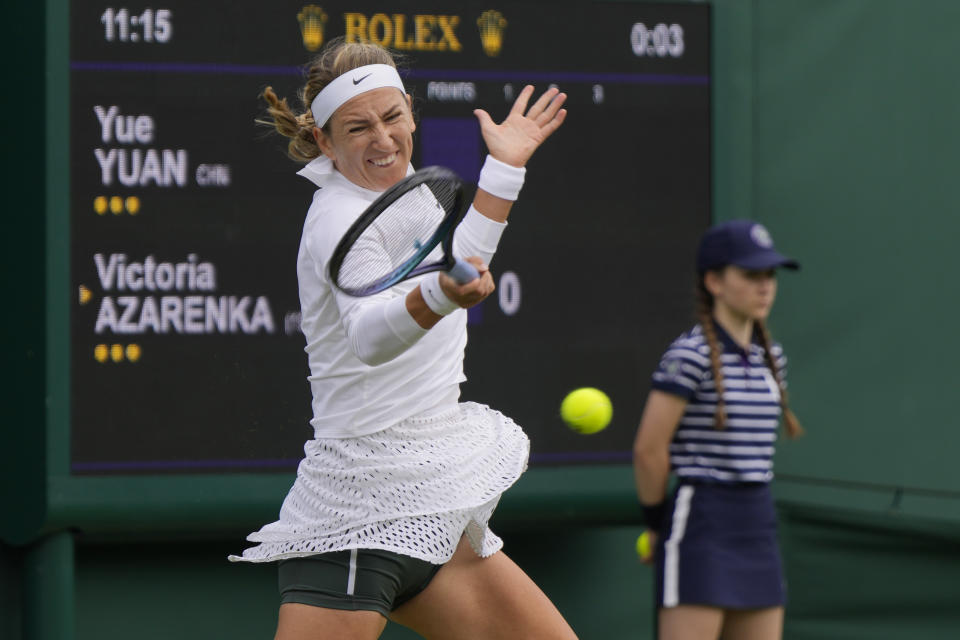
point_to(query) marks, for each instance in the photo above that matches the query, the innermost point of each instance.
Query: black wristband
(653, 514)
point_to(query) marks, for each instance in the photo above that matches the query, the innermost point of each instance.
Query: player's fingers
(551, 110)
(542, 102)
(478, 262)
(484, 118)
(553, 124)
(482, 285)
(520, 104)
(464, 295)
(467, 294)
(481, 267)
(487, 284)
(470, 293)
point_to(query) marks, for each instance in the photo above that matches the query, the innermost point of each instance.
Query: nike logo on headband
(356, 82)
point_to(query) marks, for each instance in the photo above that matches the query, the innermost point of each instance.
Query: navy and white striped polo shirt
(743, 450)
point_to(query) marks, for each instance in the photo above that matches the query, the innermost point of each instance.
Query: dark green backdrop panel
(856, 146)
(868, 577)
(11, 596)
(23, 269)
(850, 577)
(189, 590)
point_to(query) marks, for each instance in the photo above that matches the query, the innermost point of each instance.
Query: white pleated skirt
(414, 488)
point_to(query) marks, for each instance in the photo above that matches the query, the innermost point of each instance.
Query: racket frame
(413, 266)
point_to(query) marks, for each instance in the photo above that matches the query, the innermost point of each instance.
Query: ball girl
(711, 420)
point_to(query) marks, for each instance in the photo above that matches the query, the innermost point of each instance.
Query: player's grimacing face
(747, 293)
(370, 138)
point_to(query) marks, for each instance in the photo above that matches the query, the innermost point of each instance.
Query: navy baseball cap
(743, 243)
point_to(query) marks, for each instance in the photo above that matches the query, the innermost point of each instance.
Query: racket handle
(463, 272)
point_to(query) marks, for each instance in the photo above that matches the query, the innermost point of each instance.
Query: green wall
(154, 592)
(855, 151)
(10, 592)
(869, 577)
(850, 577)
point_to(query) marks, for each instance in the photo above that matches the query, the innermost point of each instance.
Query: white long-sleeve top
(371, 365)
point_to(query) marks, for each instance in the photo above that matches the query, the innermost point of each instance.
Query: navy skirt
(718, 547)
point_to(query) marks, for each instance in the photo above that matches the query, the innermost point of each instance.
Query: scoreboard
(185, 353)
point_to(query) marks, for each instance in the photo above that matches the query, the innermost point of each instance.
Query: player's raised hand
(515, 139)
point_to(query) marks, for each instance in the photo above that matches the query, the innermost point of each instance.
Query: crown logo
(491, 24)
(312, 19)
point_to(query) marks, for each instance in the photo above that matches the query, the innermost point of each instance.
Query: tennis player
(711, 419)
(388, 516)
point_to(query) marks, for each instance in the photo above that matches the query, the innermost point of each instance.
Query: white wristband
(501, 179)
(434, 296)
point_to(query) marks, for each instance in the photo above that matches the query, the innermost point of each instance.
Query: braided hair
(707, 323)
(760, 330)
(705, 316)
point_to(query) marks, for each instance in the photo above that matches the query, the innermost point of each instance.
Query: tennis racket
(406, 232)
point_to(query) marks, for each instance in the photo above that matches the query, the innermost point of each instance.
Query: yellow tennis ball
(586, 410)
(643, 545)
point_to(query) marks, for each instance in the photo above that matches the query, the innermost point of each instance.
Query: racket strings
(404, 232)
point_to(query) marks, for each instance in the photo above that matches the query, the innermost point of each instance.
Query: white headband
(350, 85)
